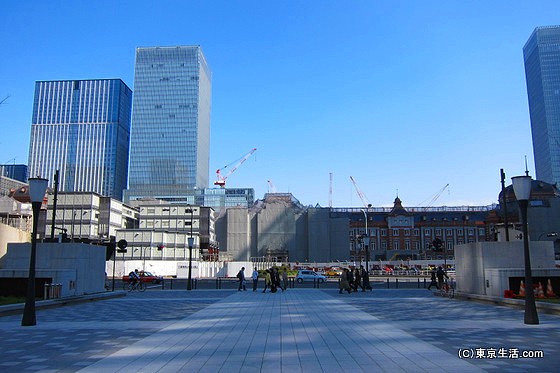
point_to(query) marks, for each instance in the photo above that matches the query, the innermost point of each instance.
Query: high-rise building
(542, 72)
(14, 171)
(81, 128)
(170, 135)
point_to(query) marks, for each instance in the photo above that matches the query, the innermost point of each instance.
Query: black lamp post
(366, 242)
(37, 190)
(522, 190)
(191, 244)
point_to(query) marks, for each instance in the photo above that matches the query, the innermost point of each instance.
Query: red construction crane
(362, 196)
(221, 180)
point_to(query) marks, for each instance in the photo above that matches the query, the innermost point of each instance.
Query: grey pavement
(300, 330)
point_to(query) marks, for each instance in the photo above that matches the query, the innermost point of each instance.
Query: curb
(544, 307)
(14, 309)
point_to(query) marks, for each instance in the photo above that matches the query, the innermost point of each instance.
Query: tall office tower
(82, 128)
(542, 72)
(170, 136)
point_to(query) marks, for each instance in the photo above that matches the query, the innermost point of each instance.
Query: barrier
(52, 291)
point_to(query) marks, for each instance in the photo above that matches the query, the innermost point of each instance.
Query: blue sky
(405, 96)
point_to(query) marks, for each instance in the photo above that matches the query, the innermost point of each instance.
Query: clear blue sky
(405, 96)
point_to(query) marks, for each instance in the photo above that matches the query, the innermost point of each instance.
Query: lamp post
(522, 190)
(37, 190)
(366, 243)
(191, 244)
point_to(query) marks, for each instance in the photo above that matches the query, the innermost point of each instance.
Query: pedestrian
(433, 280)
(343, 283)
(241, 277)
(284, 279)
(350, 275)
(267, 280)
(365, 279)
(440, 274)
(275, 280)
(255, 277)
(358, 280)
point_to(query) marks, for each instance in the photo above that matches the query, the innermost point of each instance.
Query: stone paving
(301, 330)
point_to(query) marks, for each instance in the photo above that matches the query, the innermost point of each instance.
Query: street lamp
(191, 244)
(522, 190)
(366, 242)
(37, 190)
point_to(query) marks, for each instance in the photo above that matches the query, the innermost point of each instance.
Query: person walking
(365, 279)
(255, 277)
(284, 279)
(440, 274)
(275, 280)
(358, 280)
(267, 280)
(343, 283)
(241, 277)
(433, 280)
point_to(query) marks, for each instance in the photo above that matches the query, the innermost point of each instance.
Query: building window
(395, 232)
(481, 232)
(459, 232)
(416, 232)
(407, 232)
(428, 232)
(407, 245)
(395, 245)
(470, 232)
(449, 232)
(384, 232)
(151, 211)
(438, 232)
(384, 245)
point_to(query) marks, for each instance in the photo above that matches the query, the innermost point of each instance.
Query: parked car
(309, 275)
(146, 277)
(333, 272)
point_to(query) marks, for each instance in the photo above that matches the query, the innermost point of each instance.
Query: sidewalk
(301, 330)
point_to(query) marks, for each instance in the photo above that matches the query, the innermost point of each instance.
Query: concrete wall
(9, 234)
(276, 229)
(80, 268)
(474, 262)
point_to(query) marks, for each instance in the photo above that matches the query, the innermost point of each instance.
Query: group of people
(436, 278)
(352, 279)
(274, 279)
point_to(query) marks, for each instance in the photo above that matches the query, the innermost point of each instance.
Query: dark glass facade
(542, 72)
(81, 128)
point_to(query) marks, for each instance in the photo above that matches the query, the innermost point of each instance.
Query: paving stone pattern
(453, 324)
(69, 338)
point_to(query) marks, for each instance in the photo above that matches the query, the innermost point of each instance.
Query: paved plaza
(300, 330)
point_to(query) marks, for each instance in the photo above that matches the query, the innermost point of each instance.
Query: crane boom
(362, 196)
(436, 196)
(221, 179)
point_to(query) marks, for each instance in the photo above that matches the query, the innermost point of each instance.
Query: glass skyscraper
(170, 135)
(81, 128)
(542, 72)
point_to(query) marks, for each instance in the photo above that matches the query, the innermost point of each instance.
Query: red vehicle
(145, 277)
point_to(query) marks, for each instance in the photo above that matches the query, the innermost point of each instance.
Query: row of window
(427, 232)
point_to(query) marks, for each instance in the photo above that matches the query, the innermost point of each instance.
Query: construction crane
(4, 100)
(362, 196)
(271, 187)
(435, 197)
(221, 179)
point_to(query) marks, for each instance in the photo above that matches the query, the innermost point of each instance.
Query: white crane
(221, 179)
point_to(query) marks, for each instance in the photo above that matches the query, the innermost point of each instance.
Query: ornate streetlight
(522, 190)
(37, 190)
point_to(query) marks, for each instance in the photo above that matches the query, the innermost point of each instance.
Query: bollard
(217, 283)
(58, 290)
(387, 283)
(195, 284)
(46, 291)
(396, 283)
